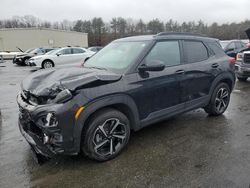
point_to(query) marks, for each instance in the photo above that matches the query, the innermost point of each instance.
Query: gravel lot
(191, 150)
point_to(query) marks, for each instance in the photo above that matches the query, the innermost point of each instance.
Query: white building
(26, 38)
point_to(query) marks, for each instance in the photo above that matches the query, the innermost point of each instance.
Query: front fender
(103, 102)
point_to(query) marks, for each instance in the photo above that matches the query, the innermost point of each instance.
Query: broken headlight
(48, 120)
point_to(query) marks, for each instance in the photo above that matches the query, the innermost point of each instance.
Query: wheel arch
(225, 77)
(48, 60)
(120, 102)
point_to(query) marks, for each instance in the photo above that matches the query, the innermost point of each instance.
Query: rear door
(78, 55)
(200, 69)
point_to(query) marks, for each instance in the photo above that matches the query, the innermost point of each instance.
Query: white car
(62, 57)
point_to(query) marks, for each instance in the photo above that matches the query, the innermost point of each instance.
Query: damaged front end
(40, 129)
(47, 105)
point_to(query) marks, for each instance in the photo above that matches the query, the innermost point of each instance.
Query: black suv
(131, 83)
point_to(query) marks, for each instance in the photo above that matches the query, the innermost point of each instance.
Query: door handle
(180, 72)
(215, 65)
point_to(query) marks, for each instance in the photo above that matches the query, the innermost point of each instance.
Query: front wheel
(219, 100)
(47, 64)
(106, 135)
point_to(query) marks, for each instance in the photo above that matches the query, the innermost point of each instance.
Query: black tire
(242, 79)
(219, 101)
(47, 64)
(97, 138)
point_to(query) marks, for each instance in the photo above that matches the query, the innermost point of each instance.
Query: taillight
(231, 61)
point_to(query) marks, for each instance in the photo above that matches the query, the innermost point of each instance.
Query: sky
(220, 11)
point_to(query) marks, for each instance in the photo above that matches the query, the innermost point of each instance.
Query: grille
(247, 58)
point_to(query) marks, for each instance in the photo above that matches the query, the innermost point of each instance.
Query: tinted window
(66, 51)
(195, 51)
(78, 51)
(168, 52)
(216, 48)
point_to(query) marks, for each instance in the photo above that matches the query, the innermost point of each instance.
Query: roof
(167, 35)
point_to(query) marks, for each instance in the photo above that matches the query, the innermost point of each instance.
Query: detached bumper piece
(45, 141)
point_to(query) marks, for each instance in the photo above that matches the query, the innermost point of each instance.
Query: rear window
(195, 51)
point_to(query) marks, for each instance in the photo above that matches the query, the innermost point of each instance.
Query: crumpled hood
(50, 82)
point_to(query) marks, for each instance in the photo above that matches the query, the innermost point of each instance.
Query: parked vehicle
(130, 84)
(242, 66)
(95, 48)
(23, 57)
(62, 57)
(233, 47)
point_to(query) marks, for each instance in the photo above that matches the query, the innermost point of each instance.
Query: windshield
(224, 44)
(52, 52)
(29, 50)
(117, 56)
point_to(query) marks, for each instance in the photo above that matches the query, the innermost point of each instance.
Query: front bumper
(242, 70)
(46, 141)
(17, 60)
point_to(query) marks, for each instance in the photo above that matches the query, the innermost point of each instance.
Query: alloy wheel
(222, 100)
(47, 65)
(109, 137)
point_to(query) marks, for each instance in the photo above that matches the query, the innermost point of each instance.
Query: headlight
(63, 96)
(48, 120)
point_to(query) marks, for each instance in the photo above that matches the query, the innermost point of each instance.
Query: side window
(78, 51)
(195, 51)
(168, 52)
(66, 51)
(216, 48)
(231, 46)
(238, 45)
(40, 51)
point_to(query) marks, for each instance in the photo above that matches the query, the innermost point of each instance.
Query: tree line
(101, 32)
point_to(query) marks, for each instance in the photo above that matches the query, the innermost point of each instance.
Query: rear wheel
(47, 64)
(219, 100)
(106, 135)
(242, 79)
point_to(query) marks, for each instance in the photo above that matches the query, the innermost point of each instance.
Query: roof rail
(179, 33)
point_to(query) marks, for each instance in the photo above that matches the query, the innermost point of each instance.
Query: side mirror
(152, 66)
(58, 54)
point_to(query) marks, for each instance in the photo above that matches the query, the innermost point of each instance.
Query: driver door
(64, 57)
(159, 92)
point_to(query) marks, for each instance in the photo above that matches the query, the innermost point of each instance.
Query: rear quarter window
(195, 51)
(215, 48)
